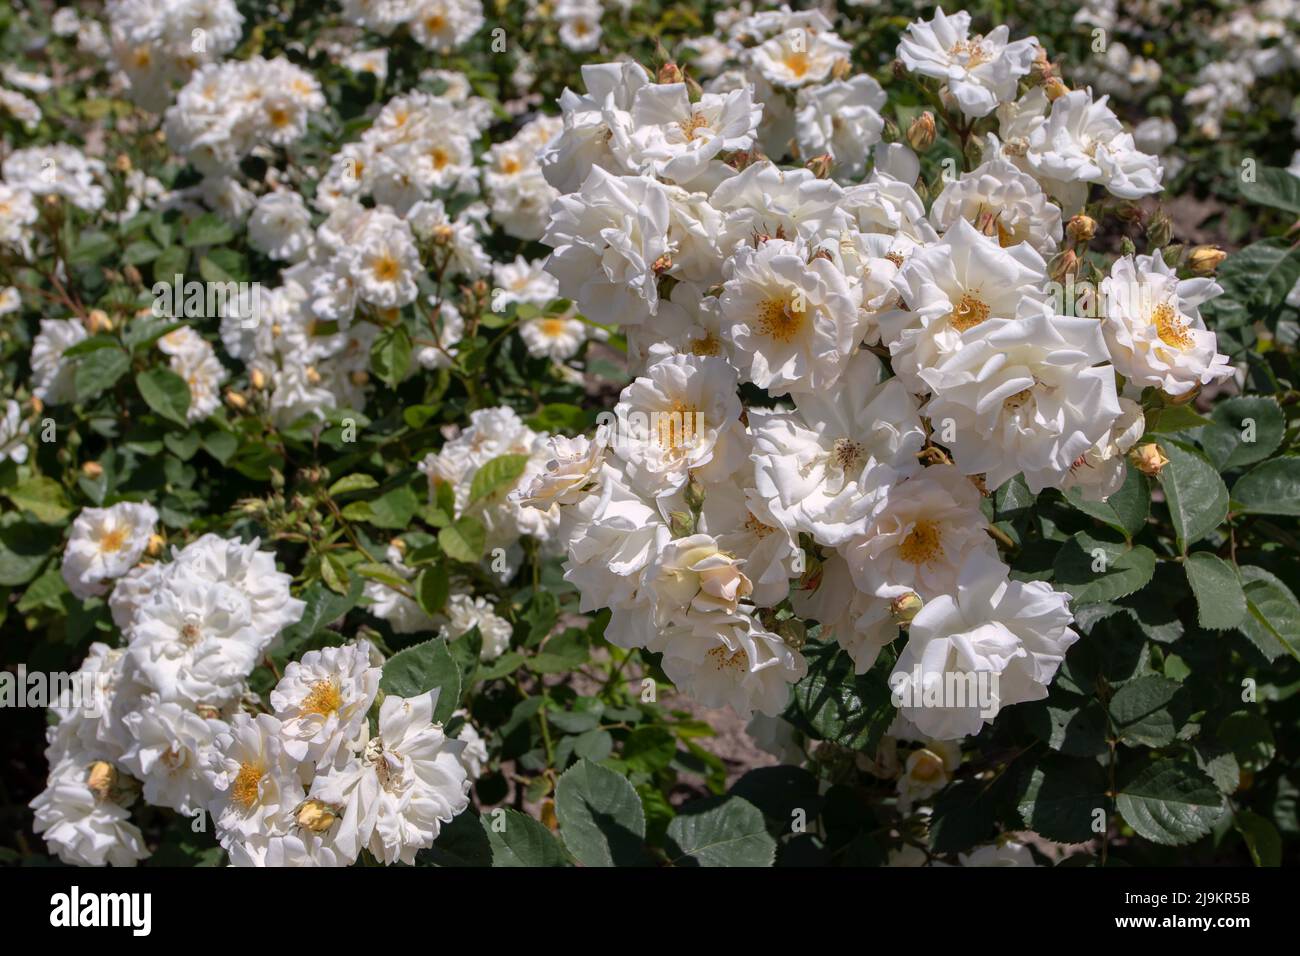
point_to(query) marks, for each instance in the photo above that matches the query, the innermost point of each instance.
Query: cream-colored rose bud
(1063, 264)
(1055, 88)
(443, 234)
(921, 134)
(122, 163)
(101, 778)
(820, 165)
(1148, 458)
(236, 401)
(92, 469)
(257, 378)
(359, 377)
(315, 816)
(1081, 228)
(98, 321)
(1203, 260)
(155, 545)
(841, 69)
(670, 73)
(905, 607)
(312, 375)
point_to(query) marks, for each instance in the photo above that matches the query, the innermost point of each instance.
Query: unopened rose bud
(236, 401)
(1055, 88)
(820, 165)
(38, 406)
(1063, 264)
(905, 607)
(155, 545)
(1081, 228)
(669, 73)
(841, 69)
(443, 234)
(1126, 247)
(548, 814)
(122, 163)
(681, 524)
(312, 375)
(399, 545)
(662, 264)
(98, 321)
(1148, 459)
(1159, 230)
(898, 68)
(257, 378)
(92, 469)
(1042, 70)
(1203, 260)
(101, 778)
(694, 494)
(921, 134)
(132, 274)
(315, 816)
(52, 200)
(359, 377)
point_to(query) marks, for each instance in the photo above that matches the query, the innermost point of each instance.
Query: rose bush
(429, 427)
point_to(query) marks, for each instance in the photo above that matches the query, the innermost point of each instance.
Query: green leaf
(350, 483)
(395, 509)
(1255, 283)
(601, 819)
(100, 370)
(432, 588)
(206, 229)
(1169, 419)
(1273, 186)
(1220, 601)
(24, 547)
(1126, 510)
(43, 497)
(92, 247)
(1262, 839)
(1141, 711)
(1250, 737)
(1243, 430)
(420, 669)
(519, 840)
(322, 607)
(390, 356)
(1169, 801)
(720, 831)
(463, 540)
(165, 392)
(1062, 798)
(1272, 621)
(1196, 495)
(47, 591)
(502, 471)
(1272, 488)
(850, 710)
(1095, 570)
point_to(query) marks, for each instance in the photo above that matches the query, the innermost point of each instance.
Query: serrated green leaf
(463, 540)
(1094, 570)
(165, 392)
(601, 818)
(1272, 488)
(720, 831)
(1220, 601)
(1196, 495)
(519, 840)
(501, 472)
(1243, 430)
(1169, 801)
(420, 669)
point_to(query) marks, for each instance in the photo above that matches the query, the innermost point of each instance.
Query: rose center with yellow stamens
(113, 540)
(723, 657)
(1170, 327)
(970, 312)
(896, 258)
(553, 328)
(441, 158)
(387, 268)
(709, 345)
(245, 790)
(693, 125)
(757, 528)
(1018, 400)
(278, 116)
(928, 766)
(846, 452)
(675, 428)
(797, 63)
(923, 543)
(780, 319)
(974, 52)
(324, 698)
(435, 22)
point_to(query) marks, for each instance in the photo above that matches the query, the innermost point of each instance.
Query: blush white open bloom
(671, 137)
(921, 535)
(681, 416)
(1154, 329)
(980, 71)
(255, 783)
(13, 433)
(81, 818)
(1002, 202)
(406, 784)
(52, 374)
(466, 612)
(841, 119)
(1026, 396)
(993, 638)
(322, 700)
(607, 239)
(1083, 142)
(104, 544)
(729, 660)
(790, 324)
(822, 465)
(170, 746)
(1100, 471)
